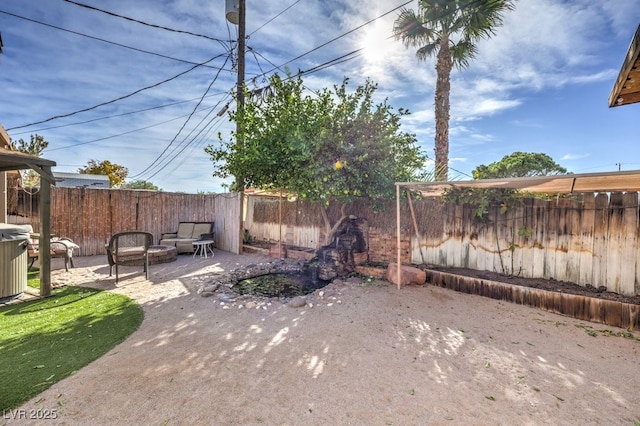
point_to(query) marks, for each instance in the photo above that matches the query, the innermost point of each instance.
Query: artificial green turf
(46, 340)
(33, 278)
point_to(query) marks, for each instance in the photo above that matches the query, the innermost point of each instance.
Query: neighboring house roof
(627, 87)
(79, 180)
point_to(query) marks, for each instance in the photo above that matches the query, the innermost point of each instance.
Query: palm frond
(484, 17)
(410, 28)
(439, 12)
(428, 50)
(462, 52)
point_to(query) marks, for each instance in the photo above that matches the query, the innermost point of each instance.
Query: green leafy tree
(277, 138)
(116, 173)
(35, 146)
(448, 30)
(519, 164)
(140, 184)
(334, 147)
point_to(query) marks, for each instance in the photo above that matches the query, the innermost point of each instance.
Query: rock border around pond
(221, 286)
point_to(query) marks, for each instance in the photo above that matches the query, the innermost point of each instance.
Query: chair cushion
(129, 253)
(201, 228)
(185, 230)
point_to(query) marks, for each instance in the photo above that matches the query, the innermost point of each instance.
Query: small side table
(202, 247)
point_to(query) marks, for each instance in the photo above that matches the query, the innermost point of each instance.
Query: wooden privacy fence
(90, 216)
(302, 225)
(585, 239)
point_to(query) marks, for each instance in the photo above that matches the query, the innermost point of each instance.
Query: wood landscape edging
(609, 312)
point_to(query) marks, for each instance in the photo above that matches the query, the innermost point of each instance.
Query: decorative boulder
(408, 275)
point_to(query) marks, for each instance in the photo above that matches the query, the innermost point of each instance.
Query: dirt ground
(358, 353)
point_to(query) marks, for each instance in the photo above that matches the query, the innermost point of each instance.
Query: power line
(253, 52)
(101, 39)
(335, 61)
(183, 126)
(199, 137)
(177, 153)
(115, 115)
(332, 62)
(122, 97)
(146, 23)
(203, 138)
(119, 134)
(261, 26)
(274, 65)
(342, 35)
(338, 60)
(317, 68)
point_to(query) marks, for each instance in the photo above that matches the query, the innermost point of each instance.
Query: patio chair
(129, 248)
(59, 247)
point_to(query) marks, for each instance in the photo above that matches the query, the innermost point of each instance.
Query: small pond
(279, 285)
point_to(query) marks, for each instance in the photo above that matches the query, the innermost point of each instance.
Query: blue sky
(541, 84)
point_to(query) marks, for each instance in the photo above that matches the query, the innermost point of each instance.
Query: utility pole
(240, 106)
(240, 87)
(241, 22)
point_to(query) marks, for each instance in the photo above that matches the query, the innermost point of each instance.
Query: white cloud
(568, 157)
(527, 123)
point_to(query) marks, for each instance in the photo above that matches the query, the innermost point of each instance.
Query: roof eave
(626, 90)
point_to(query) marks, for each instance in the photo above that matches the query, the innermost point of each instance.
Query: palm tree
(447, 29)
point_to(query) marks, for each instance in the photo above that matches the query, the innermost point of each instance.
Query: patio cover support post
(415, 223)
(45, 233)
(398, 274)
(3, 197)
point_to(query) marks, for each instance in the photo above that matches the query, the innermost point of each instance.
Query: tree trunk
(444, 65)
(331, 230)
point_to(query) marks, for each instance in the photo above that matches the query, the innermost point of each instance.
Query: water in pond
(279, 285)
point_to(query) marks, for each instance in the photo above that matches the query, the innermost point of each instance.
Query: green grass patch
(43, 341)
(33, 278)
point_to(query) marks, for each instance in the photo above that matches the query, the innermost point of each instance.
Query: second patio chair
(129, 248)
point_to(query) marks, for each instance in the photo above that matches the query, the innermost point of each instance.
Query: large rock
(408, 275)
(298, 302)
